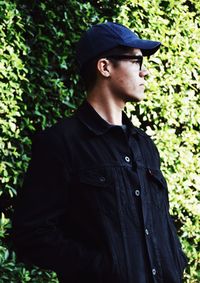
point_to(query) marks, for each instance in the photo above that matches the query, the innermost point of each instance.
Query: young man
(94, 205)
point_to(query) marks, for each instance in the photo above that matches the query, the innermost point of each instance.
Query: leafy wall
(39, 85)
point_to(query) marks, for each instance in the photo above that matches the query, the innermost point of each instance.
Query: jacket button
(127, 159)
(154, 271)
(147, 232)
(102, 179)
(137, 193)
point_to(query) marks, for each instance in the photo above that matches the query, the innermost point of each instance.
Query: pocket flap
(95, 177)
(157, 177)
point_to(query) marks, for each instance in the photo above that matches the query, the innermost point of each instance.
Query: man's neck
(110, 110)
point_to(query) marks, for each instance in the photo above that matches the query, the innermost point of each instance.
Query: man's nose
(144, 72)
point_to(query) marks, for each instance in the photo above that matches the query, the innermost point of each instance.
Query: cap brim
(148, 47)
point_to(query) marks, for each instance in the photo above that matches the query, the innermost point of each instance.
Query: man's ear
(103, 66)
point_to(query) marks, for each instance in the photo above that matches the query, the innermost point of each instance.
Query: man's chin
(134, 98)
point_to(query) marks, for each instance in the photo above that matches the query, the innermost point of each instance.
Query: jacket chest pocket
(96, 188)
(158, 187)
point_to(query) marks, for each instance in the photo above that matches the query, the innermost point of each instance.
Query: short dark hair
(89, 71)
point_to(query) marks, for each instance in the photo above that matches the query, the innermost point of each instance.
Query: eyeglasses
(138, 59)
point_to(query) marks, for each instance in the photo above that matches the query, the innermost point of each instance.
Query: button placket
(139, 159)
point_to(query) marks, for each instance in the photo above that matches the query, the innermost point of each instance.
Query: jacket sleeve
(41, 210)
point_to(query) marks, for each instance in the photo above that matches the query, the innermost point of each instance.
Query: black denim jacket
(94, 205)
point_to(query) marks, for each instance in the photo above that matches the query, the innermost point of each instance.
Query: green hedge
(39, 85)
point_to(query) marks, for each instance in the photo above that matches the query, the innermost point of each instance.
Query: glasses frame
(127, 57)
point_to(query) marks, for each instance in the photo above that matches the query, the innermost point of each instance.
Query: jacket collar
(94, 122)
